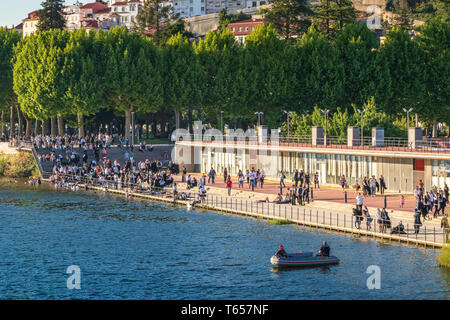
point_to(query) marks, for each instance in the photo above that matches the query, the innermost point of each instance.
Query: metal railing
(334, 142)
(314, 217)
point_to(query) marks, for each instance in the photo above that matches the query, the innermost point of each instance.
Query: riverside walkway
(328, 219)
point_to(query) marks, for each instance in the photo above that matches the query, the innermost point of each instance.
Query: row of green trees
(57, 74)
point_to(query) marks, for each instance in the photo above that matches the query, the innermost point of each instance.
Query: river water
(144, 250)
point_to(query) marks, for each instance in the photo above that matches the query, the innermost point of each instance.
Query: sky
(13, 11)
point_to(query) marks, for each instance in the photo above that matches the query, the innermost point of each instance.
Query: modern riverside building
(402, 162)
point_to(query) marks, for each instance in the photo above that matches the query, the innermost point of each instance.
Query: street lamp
(288, 113)
(221, 121)
(407, 117)
(325, 112)
(260, 113)
(362, 126)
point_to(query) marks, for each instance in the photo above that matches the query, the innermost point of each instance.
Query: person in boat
(281, 252)
(324, 250)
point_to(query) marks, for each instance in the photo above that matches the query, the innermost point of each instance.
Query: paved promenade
(328, 198)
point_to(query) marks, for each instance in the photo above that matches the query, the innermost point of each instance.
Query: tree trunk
(12, 126)
(53, 126)
(60, 125)
(28, 128)
(177, 119)
(80, 124)
(44, 127)
(417, 120)
(19, 122)
(3, 124)
(127, 129)
(36, 127)
(190, 128)
(435, 128)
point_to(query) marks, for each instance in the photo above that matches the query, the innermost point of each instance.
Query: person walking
(417, 222)
(240, 180)
(343, 182)
(316, 181)
(212, 175)
(229, 184)
(382, 184)
(359, 201)
(225, 175)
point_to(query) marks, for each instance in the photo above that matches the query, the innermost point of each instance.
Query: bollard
(385, 202)
(312, 195)
(345, 196)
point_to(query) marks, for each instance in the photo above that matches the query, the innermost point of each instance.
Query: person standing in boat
(281, 252)
(324, 250)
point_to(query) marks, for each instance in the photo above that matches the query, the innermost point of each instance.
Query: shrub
(19, 165)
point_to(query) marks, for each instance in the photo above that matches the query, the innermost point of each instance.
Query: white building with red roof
(30, 23)
(242, 29)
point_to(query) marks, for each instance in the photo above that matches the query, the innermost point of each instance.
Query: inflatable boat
(302, 259)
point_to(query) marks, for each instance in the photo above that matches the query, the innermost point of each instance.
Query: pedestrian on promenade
(225, 175)
(373, 186)
(382, 184)
(343, 182)
(369, 219)
(402, 201)
(282, 177)
(183, 176)
(229, 184)
(379, 220)
(261, 178)
(417, 222)
(359, 201)
(240, 179)
(212, 175)
(247, 176)
(446, 192)
(316, 181)
(296, 177)
(252, 176)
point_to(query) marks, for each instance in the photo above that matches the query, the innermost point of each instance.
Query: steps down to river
(159, 152)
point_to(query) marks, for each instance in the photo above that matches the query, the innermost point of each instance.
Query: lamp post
(362, 126)
(407, 117)
(288, 113)
(325, 112)
(260, 113)
(221, 121)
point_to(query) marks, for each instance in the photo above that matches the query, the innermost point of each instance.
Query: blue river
(132, 249)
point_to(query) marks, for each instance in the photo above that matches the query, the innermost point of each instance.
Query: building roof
(243, 24)
(120, 3)
(32, 16)
(95, 6)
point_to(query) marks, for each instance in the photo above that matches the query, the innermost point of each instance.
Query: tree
(263, 75)
(181, 76)
(132, 77)
(174, 29)
(434, 40)
(226, 18)
(289, 17)
(51, 15)
(85, 72)
(154, 17)
(219, 56)
(8, 39)
(39, 78)
(332, 15)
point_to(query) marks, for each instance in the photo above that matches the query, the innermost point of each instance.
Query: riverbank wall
(309, 217)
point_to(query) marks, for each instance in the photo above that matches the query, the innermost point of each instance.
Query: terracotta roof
(95, 6)
(107, 10)
(244, 24)
(121, 3)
